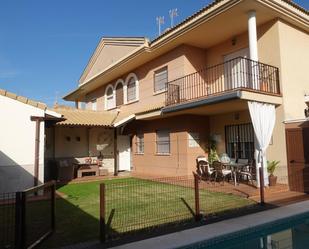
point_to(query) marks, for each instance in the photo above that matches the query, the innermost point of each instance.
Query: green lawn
(131, 204)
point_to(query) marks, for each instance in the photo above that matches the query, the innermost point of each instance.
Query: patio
(80, 146)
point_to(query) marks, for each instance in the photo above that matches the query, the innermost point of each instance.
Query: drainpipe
(37, 121)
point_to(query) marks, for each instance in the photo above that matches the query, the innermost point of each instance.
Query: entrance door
(124, 153)
(236, 70)
(297, 141)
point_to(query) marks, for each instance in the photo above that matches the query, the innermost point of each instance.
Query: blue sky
(45, 45)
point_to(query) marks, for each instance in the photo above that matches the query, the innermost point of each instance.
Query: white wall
(17, 145)
(71, 148)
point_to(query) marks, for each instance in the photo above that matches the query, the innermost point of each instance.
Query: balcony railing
(236, 74)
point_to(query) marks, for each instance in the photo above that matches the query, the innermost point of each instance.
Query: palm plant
(271, 166)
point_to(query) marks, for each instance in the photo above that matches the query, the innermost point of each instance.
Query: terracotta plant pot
(272, 180)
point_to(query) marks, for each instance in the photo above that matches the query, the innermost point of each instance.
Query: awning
(78, 117)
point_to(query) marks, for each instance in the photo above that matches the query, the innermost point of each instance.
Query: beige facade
(202, 41)
(180, 61)
(181, 159)
(108, 51)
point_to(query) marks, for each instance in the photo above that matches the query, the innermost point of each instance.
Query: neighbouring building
(22, 124)
(172, 96)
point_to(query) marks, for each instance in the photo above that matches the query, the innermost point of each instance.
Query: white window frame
(106, 107)
(158, 71)
(94, 105)
(136, 88)
(140, 143)
(81, 105)
(124, 87)
(157, 142)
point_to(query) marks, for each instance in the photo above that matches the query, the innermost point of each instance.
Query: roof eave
(72, 95)
(196, 19)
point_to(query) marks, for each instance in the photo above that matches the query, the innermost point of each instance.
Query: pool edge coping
(223, 228)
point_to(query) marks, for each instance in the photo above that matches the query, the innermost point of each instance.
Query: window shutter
(119, 94)
(163, 142)
(109, 98)
(131, 90)
(160, 79)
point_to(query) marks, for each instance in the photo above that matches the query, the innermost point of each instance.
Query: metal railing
(7, 220)
(27, 217)
(239, 73)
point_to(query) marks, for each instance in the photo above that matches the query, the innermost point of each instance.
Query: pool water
(291, 233)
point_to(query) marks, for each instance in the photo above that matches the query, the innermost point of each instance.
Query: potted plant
(212, 155)
(271, 166)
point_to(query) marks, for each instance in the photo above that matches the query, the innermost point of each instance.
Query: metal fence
(141, 207)
(7, 220)
(27, 217)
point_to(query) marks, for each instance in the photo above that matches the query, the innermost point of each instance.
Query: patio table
(235, 167)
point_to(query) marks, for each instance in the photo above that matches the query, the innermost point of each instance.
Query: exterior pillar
(115, 153)
(37, 121)
(253, 46)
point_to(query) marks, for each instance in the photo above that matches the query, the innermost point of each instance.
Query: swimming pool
(288, 233)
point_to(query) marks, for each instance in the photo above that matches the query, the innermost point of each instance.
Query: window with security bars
(163, 142)
(131, 90)
(239, 141)
(160, 80)
(140, 143)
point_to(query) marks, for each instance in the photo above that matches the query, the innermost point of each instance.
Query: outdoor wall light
(77, 139)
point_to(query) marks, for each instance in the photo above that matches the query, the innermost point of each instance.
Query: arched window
(132, 87)
(109, 98)
(119, 93)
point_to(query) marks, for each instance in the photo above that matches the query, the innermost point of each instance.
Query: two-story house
(189, 87)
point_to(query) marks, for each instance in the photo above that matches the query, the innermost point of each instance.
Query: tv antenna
(173, 13)
(160, 21)
(56, 99)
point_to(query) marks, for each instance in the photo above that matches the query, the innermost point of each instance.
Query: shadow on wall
(73, 224)
(13, 176)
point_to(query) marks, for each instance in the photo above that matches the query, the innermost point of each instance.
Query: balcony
(236, 74)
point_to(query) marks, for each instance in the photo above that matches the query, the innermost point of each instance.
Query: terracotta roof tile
(142, 110)
(80, 117)
(213, 3)
(23, 100)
